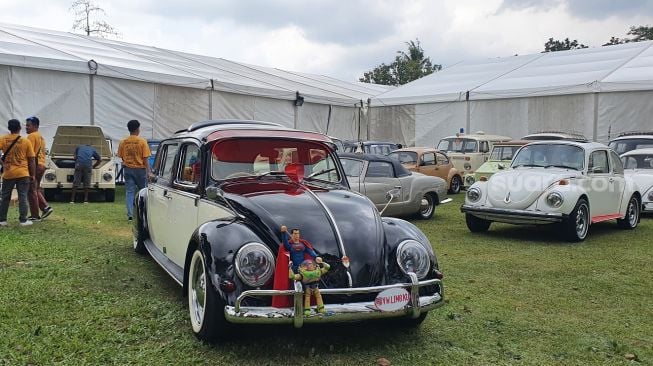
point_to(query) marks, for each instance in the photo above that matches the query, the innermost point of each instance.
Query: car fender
(219, 241)
(630, 189)
(481, 186)
(396, 231)
(571, 194)
(140, 209)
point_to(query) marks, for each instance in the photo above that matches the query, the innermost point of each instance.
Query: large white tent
(596, 91)
(66, 78)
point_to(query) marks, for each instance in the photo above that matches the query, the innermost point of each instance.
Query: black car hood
(285, 203)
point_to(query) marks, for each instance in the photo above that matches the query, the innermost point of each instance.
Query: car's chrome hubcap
(632, 214)
(455, 184)
(426, 206)
(197, 290)
(581, 221)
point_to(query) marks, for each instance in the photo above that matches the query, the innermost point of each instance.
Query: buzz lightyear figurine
(309, 274)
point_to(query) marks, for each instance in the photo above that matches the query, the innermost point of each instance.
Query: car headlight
(650, 195)
(474, 194)
(468, 166)
(50, 176)
(413, 257)
(254, 264)
(469, 180)
(554, 199)
(107, 176)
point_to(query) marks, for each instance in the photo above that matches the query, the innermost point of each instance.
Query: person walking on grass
(135, 153)
(18, 170)
(84, 155)
(36, 200)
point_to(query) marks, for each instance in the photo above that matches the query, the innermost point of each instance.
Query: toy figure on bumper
(309, 274)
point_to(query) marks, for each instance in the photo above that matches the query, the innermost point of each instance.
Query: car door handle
(611, 180)
(398, 187)
(166, 195)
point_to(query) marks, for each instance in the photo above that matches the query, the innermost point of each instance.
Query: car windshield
(404, 157)
(352, 167)
(550, 155)
(256, 157)
(503, 152)
(458, 145)
(625, 145)
(643, 161)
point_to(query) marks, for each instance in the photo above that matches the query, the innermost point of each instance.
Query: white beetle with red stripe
(570, 183)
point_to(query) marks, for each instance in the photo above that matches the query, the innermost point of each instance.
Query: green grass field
(73, 292)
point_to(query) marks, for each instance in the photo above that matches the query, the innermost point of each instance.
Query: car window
(441, 159)
(485, 147)
(638, 162)
(598, 162)
(624, 145)
(551, 155)
(380, 169)
(428, 159)
(189, 171)
(615, 163)
(503, 152)
(458, 145)
(352, 167)
(168, 160)
(404, 157)
(255, 156)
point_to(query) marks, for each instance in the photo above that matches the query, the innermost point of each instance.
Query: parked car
(638, 165)
(154, 146)
(633, 140)
(500, 158)
(212, 219)
(573, 184)
(376, 175)
(469, 151)
(555, 135)
(429, 161)
(60, 163)
(371, 147)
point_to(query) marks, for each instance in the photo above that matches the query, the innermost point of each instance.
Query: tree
(554, 45)
(640, 33)
(84, 10)
(406, 67)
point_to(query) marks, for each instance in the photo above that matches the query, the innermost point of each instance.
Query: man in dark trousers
(18, 171)
(134, 152)
(36, 199)
(84, 155)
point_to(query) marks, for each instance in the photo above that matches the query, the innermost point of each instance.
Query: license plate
(392, 299)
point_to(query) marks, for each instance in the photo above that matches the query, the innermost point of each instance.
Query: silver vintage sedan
(379, 178)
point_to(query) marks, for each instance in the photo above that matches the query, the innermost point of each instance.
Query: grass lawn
(73, 292)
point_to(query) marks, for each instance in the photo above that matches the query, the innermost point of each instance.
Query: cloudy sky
(345, 38)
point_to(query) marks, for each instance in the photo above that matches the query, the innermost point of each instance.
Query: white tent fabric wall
(343, 123)
(56, 97)
(436, 120)
(176, 108)
(392, 123)
(624, 111)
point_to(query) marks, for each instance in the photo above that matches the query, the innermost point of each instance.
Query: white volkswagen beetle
(571, 183)
(638, 165)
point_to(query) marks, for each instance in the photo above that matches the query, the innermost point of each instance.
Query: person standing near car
(19, 169)
(134, 152)
(84, 155)
(36, 200)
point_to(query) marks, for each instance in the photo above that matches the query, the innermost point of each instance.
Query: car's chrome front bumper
(334, 312)
(513, 216)
(647, 207)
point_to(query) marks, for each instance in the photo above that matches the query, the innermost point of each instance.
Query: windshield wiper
(527, 165)
(560, 166)
(323, 171)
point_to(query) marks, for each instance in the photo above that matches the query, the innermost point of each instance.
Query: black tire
(633, 211)
(205, 306)
(427, 212)
(456, 184)
(139, 235)
(477, 224)
(576, 227)
(49, 194)
(110, 195)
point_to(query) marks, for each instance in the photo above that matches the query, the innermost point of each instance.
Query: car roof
(646, 151)
(228, 128)
(479, 136)
(634, 135)
(399, 169)
(555, 135)
(512, 143)
(588, 145)
(418, 150)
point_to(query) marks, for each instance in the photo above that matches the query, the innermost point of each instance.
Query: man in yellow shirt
(36, 199)
(18, 171)
(135, 154)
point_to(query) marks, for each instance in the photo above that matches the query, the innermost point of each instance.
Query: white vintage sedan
(638, 165)
(569, 183)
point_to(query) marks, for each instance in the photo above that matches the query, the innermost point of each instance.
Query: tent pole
(211, 101)
(596, 117)
(468, 124)
(91, 81)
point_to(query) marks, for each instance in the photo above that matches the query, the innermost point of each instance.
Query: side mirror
(392, 194)
(213, 192)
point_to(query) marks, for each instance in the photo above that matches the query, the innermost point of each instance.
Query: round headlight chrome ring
(650, 195)
(474, 194)
(50, 176)
(555, 199)
(107, 177)
(254, 264)
(467, 166)
(413, 257)
(469, 180)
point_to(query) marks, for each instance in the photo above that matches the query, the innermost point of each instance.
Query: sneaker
(129, 218)
(3, 223)
(34, 219)
(46, 212)
(85, 201)
(72, 201)
(26, 223)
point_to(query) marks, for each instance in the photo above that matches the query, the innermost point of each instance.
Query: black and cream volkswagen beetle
(212, 216)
